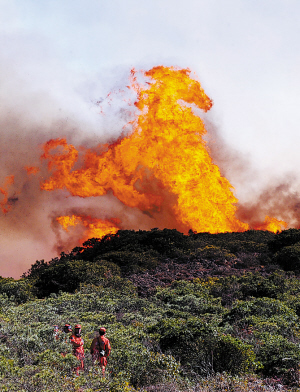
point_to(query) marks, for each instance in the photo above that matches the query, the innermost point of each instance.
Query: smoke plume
(38, 102)
(33, 111)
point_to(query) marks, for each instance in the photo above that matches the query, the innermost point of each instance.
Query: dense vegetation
(197, 312)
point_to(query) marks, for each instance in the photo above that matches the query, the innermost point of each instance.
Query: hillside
(197, 312)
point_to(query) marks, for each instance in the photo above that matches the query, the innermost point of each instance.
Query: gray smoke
(40, 101)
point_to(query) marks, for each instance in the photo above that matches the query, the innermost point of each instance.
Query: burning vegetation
(162, 168)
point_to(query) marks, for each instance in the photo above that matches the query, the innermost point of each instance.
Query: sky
(59, 57)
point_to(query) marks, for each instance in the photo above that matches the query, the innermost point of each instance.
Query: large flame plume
(163, 164)
(158, 173)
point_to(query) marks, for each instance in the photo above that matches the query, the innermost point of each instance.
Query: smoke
(41, 100)
(259, 192)
(280, 200)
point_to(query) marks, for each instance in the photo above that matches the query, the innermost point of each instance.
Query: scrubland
(184, 313)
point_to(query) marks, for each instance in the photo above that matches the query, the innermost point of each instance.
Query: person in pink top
(78, 349)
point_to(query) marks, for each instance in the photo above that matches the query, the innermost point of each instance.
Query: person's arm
(75, 344)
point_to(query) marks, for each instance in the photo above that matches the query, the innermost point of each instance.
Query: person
(67, 328)
(78, 349)
(65, 339)
(100, 349)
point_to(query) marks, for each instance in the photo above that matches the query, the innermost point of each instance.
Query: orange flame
(4, 204)
(272, 224)
(163, 164)
(31, 170)
(95, 228)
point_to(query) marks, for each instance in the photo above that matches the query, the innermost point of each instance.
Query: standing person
(100, 349)
(78, 349)
(65, 339)
(67, 328)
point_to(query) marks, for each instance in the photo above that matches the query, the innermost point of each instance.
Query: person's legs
(80, 358)
(103, 363)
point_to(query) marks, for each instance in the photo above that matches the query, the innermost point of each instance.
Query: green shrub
(56, 360)
(278, 355)
(233, 356)
(261, 307)
(132, 261)
(19, 290)
(7, 366)
(217, 254)
(289, 257)
(285, 238)
(176, 340)
(203, 349)
(160, 368)
(190, 297)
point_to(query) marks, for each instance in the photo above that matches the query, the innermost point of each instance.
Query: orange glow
(95, 228)
(31, 169)
(163, 163)
(4, 203)
(67, 221)
(272, 224)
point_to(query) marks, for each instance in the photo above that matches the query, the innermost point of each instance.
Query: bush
(278, 355)
(289, 257)
(261, 307)
(217, 254)
(19, 290)
(202, 349)
(66, 275)
(233, 356)
(56, 360)
(132, 261)
(285, 238)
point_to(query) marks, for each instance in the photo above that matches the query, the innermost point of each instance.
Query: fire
(162, 167)
(31, 170)
(272, 224)
(67, 221)
(95, 228)
(164, 155)
(5, 204)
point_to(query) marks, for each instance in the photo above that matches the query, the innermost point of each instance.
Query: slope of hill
(203, 312)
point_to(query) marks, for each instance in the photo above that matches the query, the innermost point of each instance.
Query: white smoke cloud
(41, 99)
